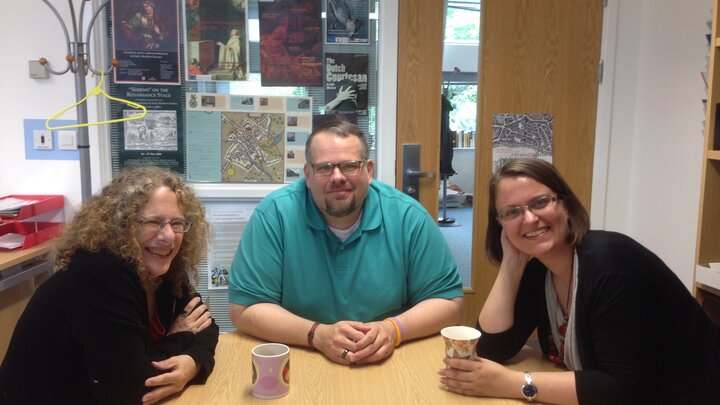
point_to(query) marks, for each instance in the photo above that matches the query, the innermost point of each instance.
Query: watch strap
(529, 390)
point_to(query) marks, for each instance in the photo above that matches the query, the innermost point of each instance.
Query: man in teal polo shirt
(340, 263)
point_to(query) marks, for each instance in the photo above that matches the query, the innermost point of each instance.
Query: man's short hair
(339, 128)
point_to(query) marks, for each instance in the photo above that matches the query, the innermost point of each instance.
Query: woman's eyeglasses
(535, 206)
(348, 167)
(156, 225)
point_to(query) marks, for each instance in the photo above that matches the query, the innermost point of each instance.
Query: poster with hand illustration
(346, 83)
(347, 22)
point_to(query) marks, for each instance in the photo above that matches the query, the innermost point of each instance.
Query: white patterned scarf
(557, 318)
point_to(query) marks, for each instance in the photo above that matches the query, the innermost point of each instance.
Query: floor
(459, 238)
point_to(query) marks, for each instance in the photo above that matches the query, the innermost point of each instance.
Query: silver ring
(344, 353)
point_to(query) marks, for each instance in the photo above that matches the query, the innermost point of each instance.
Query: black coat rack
(446, 151)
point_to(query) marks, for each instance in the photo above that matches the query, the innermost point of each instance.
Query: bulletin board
(217, 89)
(176, 113)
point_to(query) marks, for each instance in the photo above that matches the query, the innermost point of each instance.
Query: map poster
(146, 41)
(347, 22)
(521, 135)
(247, 139)
(290, 43)
(346, 83)
(217, 40)
(154, 139)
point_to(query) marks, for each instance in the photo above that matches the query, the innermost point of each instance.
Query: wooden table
(18, 271)
(409, 376)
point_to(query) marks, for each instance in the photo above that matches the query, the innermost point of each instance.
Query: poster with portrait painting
(347, 22)
(217, 40)
(146, 41)
(291, 52)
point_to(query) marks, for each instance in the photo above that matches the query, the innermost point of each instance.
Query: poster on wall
(291, 43)
(521, 135)
(157, 138)
(228, 221)
(346, 83)
(347, 22)
(146, 41)
(246, 139)
(217, 40)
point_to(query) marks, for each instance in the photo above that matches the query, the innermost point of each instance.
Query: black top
(642, 337)
(83, 338)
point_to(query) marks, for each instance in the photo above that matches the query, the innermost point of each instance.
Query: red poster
(291, 43)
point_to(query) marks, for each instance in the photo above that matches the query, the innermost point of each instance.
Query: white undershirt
(343, 234)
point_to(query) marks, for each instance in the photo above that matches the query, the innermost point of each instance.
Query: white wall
(464, 164)
(29, 98)
(655, 144)
(654, 164)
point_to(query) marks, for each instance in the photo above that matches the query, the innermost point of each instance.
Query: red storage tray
(34, 232)
(45, 203)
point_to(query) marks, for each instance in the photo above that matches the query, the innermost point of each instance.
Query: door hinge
(601, 71)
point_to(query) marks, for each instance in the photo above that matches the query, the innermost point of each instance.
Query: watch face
(529, 391)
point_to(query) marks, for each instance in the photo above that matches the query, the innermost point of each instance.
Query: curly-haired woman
(119, 322)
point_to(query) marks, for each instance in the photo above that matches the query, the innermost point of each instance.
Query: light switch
(67, 140)
(42, 139)
(37, 70)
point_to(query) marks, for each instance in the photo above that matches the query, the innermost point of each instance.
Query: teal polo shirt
(396, 258)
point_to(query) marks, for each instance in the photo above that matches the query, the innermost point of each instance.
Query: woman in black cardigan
(606, 309)
(119, 322)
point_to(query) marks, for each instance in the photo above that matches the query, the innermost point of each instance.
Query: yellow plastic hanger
(95, 91)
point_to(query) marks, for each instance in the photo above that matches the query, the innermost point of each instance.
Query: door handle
(410, 170)
(417, 173)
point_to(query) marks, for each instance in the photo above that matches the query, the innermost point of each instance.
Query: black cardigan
(83, 338)
(642, 337)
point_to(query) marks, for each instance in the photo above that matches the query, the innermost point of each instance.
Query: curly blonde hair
(108, 221)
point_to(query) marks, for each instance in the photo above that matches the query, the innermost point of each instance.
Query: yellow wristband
(398, 336)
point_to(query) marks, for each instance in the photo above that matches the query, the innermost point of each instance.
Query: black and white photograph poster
(156, 139)
(346, 83)
(347, 22)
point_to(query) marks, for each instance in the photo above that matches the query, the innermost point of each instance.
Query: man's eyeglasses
(348, 167)
(536, 206)
(155, 225)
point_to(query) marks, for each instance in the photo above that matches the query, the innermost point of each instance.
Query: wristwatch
(529, 390)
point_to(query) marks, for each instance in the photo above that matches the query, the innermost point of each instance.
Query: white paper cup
(460, 341)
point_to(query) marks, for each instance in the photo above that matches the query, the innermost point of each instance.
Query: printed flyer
(291, 43)
(146, 41)
(217, 40)
(155, 139)
(347, 22)
(346, 83)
